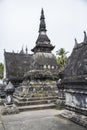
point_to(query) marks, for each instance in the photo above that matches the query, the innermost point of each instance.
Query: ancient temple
(19, 65)
(35, 74)
(74, 83)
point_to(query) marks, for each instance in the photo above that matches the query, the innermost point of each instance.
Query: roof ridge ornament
(76, 43)
(26, 50)
(85, 37)
(4, 50)
(22, 51)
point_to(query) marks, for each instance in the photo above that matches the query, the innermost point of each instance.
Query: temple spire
(42, 42)
(42, 26)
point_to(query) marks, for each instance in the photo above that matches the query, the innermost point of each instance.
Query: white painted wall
(76, 100)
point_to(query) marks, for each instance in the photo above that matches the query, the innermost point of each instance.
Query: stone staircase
(35, 103)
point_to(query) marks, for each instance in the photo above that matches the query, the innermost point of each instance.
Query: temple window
(52, 67)
(44, 66)
(48, 66)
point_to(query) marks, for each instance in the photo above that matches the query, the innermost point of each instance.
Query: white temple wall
(76, 100)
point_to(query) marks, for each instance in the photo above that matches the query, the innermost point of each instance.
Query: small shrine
(74, 83)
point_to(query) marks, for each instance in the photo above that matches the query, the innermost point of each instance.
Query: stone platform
(36, 94)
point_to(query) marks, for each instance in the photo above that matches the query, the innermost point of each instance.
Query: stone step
(75, 117)
(25, 103)
(36, 107)
(34, 98)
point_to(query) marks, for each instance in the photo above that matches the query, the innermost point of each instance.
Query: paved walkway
(37, 120)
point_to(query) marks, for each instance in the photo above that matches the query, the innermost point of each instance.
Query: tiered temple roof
(77, 62)
(16, 65)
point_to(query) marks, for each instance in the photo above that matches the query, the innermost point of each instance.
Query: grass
(59, 108)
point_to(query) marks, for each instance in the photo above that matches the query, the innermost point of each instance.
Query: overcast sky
(19, 23)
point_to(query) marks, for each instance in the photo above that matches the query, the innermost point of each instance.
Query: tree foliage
(1, 70)
(61, 57)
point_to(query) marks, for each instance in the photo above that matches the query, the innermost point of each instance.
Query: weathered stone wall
(76, 100)
(36, 88)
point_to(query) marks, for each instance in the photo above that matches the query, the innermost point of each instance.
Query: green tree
(1, 70)
(61, 57)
